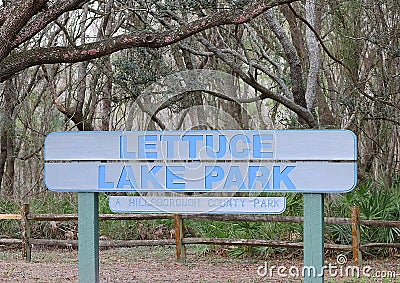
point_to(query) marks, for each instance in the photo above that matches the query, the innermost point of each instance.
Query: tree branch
(2, 15)
(20, 61)
(313, 53)
(46, 17)
(19, 13)
(296, 70)
(303, 112)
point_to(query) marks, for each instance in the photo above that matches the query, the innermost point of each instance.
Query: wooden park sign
(201, 161)
(308, 161)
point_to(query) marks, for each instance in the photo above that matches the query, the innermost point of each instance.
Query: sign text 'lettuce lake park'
(201, 161)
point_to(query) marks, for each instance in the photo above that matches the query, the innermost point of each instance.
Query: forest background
(278, 64)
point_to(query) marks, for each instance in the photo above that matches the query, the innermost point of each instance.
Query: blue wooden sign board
(197, 204)
(311, 145)
(309, 161)
(201, 161)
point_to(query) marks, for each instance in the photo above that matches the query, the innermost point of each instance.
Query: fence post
(355, 232)
(26, 233)
(180, 247)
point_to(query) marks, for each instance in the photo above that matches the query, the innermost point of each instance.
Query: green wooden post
(313, 237)
(88, 237)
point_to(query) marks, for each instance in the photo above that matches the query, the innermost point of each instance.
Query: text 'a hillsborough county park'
(198, 204)
(198, 161)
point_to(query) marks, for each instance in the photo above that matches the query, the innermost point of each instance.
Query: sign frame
(80, 161)
(262, 146)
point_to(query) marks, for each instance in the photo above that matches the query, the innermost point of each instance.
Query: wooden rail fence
(180, 241)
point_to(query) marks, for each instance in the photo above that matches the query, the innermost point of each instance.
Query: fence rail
(10, 216)
(180, 241)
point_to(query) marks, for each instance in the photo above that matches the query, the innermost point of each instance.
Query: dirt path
(157, 264)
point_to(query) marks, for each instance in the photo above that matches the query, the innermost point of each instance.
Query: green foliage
(376, 202)
(139, 68)
(131, 229)
(196, 5)
(9, 228)
(8, 206)
(104, 207)
(251, 230)
(348, 28)
(65, 203)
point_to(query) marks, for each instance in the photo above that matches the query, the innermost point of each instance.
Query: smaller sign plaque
(197, 204)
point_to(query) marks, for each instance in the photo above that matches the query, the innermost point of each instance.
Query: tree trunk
(390, 159)
(3, 154)
(104, 32)
(7, 156)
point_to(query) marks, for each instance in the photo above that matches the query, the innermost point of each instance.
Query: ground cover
(157, 264)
